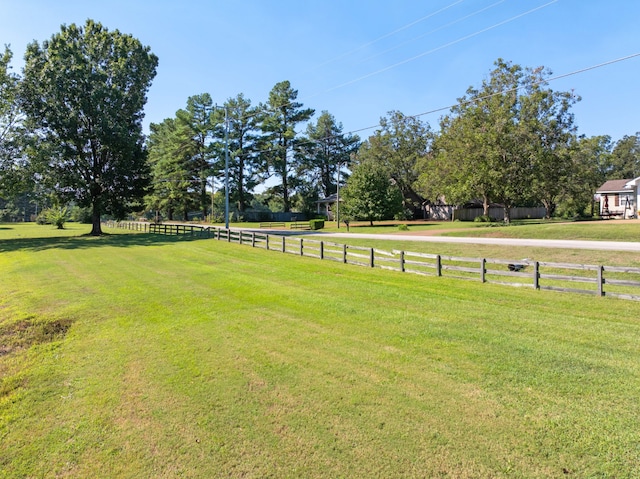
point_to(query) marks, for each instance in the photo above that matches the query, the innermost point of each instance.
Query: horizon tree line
(70, 133)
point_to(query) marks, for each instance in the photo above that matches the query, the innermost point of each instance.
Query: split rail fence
(621, 282)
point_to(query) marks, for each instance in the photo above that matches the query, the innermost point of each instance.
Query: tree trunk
(204, 197)
(285, 193)
(96, 227)
(548, 209)
(507, 214)
(485, 206)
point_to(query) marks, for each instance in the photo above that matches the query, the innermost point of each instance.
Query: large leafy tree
(508, 141)
(370, 194)
(11, 135)
(548, 132)
(625, 158)
(591, 166)
(281, 116)
(401, 146)
(83, 93)
(324, 149)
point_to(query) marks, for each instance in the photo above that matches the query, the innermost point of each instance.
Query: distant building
(619, 198)
(327, 206)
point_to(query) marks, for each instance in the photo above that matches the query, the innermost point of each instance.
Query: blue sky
(360, 59)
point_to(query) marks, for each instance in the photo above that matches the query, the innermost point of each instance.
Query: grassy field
(612, 230)
(134, 355)
(577, 256)
(590, 230)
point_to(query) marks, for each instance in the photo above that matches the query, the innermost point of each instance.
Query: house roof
(615, 186)
(329, 199)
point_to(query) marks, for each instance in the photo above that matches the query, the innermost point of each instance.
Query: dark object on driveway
(517, 266)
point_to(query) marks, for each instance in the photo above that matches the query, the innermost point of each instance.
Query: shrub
(483, 219)
(81, 215)
(53, 216)
(316, 224)
(403, 227)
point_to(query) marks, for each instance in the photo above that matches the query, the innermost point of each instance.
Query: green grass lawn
(559, 255)
(134, 355)
(589, 230)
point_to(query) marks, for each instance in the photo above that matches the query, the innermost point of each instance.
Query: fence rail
(621, 281)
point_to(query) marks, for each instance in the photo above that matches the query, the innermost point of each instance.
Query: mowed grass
(611, 230)
(168, 357)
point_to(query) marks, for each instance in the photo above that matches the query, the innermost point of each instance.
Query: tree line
(71, 134)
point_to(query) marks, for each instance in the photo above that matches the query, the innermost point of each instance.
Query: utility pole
(226, 167)
(338, 197)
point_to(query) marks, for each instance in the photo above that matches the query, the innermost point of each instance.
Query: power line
(386, 35)
(477, 12)
(484, 97)
(441, 47)
(502, 92)
(433, 50)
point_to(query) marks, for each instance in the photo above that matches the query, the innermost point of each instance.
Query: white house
(619, 198)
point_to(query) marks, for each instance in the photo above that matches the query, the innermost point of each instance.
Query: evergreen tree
(245, 163)
(194, 130)
(281, 116)
(171, 177)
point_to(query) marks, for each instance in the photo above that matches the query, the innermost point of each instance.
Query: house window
(616, 200)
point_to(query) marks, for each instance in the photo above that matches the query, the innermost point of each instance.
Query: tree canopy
(10, 128)
(370, 194)
(400, 146)
(507, 142)
(281, 116)
(83, 93)
(323, 149)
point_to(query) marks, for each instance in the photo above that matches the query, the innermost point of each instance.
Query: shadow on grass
(87, 241)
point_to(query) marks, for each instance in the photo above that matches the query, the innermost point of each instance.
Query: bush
(53, 216)
(403, 227)
(316, 224)
(81, 215)
(483, 219)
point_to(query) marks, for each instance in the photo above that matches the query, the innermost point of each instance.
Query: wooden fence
(621, 282)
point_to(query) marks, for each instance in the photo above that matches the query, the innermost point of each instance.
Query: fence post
(321, 250)
(483, 270)
(536, 275)
(228, 235)
(284, 246)
(240, 237)
(253, 239)
(267, 243)
(438, 265)
(371, 257)
(344, 253)
(402, 261)
(301, 247)
(600, 280)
